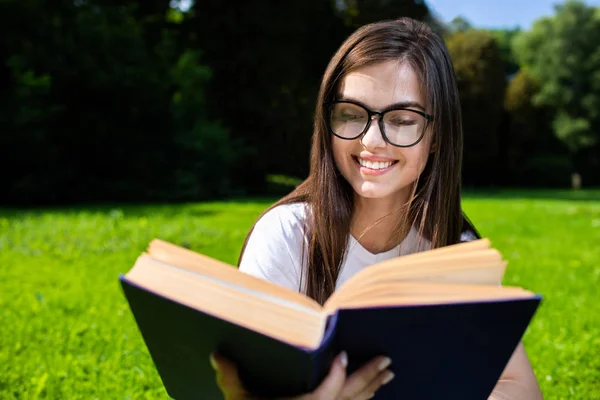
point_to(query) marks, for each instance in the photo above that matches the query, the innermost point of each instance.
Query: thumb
(228, 379)
(334, 382)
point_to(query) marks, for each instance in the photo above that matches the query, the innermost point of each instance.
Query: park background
(121, 121)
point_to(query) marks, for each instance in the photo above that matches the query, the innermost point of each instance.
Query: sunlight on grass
(67, 332)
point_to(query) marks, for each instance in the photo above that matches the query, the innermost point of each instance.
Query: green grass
(66, 330)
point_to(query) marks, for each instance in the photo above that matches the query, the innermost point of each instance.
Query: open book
(442, 316)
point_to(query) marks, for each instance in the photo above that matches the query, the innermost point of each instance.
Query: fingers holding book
(333, 384)
(362, 384)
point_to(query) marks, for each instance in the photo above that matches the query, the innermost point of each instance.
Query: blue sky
(496, 13)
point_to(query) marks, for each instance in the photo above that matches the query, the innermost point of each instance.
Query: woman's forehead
(382, 84)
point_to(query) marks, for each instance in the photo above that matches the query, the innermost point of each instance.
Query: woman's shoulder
(274, 248)
(284, 225)
(285, 217)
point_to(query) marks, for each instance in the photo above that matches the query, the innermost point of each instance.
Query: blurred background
(122, 121)
(163, 100)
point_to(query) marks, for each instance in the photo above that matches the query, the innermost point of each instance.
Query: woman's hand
(362, 384)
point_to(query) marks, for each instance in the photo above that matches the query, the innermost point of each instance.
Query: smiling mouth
(374, 165)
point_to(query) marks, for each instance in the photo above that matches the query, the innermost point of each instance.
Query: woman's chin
(370, 190)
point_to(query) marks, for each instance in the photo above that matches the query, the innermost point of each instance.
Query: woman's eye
(403, 122)
(351, 117)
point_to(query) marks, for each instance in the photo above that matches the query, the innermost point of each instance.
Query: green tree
(110, 100)
(481, 78)
(90, 103)
(504, 38)
(101, 101)
(562, 52)
(533, 156)
(203, 148)
(459, 24)
(518, 102)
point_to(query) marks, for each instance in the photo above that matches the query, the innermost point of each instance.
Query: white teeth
(375, 165)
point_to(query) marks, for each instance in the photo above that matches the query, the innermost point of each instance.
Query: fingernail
(344, 359)
(384, 363)
(388, 377)
(371, 396)
(213, 362)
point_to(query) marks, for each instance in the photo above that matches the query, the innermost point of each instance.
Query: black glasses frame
(380, 116)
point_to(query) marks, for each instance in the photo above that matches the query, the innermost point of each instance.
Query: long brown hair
(434, 207)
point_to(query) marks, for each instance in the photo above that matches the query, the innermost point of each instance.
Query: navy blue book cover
(446, 351)
(450, 351)
(180, 340)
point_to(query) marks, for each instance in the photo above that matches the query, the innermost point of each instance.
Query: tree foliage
(93, 107)
(123, 100)
(562, 52)
(504, 38)
(131, 100)
(481, 79)
(532, 155)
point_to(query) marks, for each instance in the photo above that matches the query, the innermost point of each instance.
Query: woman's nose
(373, 137)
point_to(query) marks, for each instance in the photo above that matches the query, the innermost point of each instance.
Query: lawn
(66, 330)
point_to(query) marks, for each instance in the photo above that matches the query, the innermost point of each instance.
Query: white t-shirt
(274, 249)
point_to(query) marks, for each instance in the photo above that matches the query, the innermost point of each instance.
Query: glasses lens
(348, 120)
(403, 127)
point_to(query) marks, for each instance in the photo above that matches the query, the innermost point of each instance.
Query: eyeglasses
(400, 127)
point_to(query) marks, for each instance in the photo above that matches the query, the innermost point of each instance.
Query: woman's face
(376, 87)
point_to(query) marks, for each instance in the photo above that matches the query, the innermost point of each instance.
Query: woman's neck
(375, 222)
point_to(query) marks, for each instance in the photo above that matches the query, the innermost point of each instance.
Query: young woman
(384, 181)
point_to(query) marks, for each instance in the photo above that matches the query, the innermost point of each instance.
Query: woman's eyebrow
(402, 104)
